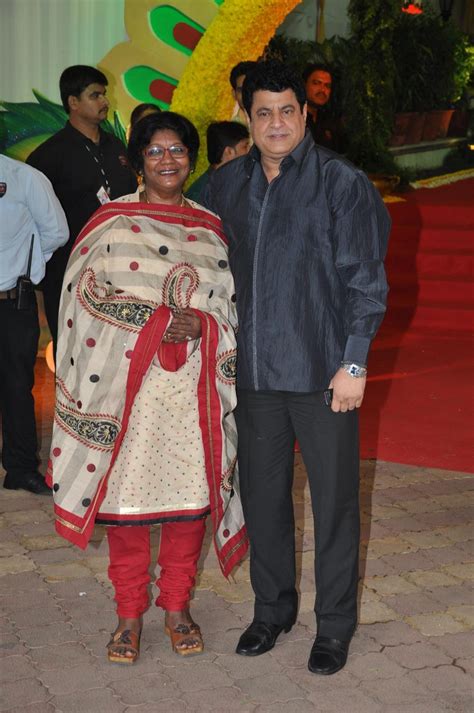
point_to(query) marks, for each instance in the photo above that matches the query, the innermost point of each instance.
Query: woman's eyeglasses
(157, 153)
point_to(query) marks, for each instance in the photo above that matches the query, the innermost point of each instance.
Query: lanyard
(106, 181)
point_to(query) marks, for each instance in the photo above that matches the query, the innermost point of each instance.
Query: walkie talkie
(25, 291)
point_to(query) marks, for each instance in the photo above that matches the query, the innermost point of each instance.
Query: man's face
(91, 105)
(237, 92)
(318, 87)
(231, 152)
(277, 123)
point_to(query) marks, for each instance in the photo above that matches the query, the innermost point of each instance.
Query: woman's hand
(184, 327)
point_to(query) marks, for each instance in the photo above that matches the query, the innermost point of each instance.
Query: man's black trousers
(18, 346)
(268, 422)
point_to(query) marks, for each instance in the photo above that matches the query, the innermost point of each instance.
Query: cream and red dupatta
(131, 264)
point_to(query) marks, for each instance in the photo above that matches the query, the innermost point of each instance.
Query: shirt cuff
(357, 349)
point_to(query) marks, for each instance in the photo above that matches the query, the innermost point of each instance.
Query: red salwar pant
(129, 548)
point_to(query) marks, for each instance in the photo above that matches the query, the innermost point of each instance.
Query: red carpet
(418, 407)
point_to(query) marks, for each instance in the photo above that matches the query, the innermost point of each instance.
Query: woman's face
(166, 164)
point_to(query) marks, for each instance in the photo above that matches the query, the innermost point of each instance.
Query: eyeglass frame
(164, 149)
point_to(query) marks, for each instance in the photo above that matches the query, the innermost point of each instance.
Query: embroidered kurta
(131, 265)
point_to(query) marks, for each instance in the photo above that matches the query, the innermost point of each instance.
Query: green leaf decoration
(22, 149)
(146, 84)
(55, 109)
(119, 128)
(175, 29)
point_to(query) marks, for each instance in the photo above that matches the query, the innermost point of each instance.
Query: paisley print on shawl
(120, 310)
(179, 285)
(227, 479)
(96, 431)
(226, 367)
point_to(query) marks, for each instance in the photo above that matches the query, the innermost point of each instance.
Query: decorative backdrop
(178, 54)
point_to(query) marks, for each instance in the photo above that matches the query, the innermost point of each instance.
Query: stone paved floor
(412, 653)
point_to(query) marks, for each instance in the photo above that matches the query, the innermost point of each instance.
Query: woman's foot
(124, 646)
(185, 635)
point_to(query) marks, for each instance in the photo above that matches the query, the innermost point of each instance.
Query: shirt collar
(297, 156)
(78, 135)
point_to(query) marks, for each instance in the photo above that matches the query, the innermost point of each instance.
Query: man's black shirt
(307, 255)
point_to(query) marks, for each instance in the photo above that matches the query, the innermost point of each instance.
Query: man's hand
(348, 391)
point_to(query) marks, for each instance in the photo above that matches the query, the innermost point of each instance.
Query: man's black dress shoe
(328, 655)
(33, 482)
(259, 638)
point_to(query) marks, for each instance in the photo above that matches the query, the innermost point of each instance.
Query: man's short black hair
(221, 134)
(315, 67)
(240, 69)
(272, 76)
(144, 129)
(75, 79)
(140, 109)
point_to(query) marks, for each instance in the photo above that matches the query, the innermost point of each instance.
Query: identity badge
(102, 196)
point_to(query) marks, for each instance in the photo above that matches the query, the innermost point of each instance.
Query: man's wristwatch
(355, 370)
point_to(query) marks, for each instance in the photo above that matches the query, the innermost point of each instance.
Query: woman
(144, 431)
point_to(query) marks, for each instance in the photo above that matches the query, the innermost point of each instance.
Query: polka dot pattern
(160, 466)
(134, 266)
(90, 342)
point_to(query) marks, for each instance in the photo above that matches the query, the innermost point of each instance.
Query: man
(237, 78)
(28, 207)
(308, 234)
(324, 127)
(86, 165)
(226, 140)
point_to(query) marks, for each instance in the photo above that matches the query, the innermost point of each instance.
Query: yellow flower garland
(240, 31)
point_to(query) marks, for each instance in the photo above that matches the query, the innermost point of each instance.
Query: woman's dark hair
(75, 79)
(272, 76)
(221, 134)
(144, 129)
(140, 109)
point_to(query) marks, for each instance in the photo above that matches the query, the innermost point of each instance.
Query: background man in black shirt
(324, 126)
(86, 165)
(308, 235)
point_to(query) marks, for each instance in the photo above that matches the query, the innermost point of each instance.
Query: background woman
(144, 431)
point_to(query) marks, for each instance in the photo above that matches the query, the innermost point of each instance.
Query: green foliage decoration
(433, 61)
(371, 75)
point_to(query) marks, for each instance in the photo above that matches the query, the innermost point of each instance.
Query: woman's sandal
(183, 633)
(123, 643)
